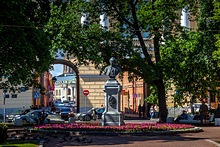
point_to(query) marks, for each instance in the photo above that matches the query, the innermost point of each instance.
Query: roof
(66, 79)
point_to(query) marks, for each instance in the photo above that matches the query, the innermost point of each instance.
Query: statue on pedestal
(112, 115)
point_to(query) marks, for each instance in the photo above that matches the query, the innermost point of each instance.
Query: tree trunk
(163, 112)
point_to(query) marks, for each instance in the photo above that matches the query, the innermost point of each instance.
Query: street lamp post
(4, 96)
(4, 93)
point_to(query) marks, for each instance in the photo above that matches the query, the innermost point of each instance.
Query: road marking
(213, 142)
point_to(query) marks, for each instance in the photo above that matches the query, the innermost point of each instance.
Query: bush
(3, 132)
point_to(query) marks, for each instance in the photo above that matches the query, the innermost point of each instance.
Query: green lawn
(20, 143)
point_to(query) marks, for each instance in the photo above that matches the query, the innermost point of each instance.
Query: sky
(58, 70)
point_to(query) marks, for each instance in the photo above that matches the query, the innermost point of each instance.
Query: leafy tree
(216, 17)
(158, 19)
(152, 98)
(193, 70)
(24, 46)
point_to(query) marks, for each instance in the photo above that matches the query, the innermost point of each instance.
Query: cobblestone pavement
(200, 139)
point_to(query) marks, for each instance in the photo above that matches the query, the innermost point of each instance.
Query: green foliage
(175, 56)
(188, 57)
(3, 132)
(24, 46)
(216, 17)
(89, 43)
(21, 143)
(153, 97)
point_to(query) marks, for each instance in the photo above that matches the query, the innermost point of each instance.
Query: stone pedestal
(112, 115)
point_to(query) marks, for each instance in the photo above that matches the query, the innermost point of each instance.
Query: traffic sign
(36, 95)
(86, 92)
(23, 89)
(135, 95)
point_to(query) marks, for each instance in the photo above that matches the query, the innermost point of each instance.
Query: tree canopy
(193, 70)
(216, 17)
(175, 55)
(24, 46)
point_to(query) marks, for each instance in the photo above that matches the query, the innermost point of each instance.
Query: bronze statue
(112, 70)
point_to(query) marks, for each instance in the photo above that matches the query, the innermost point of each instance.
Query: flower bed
(127, 128)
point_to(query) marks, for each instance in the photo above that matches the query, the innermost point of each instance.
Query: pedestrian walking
(156, 111)
(152, 112)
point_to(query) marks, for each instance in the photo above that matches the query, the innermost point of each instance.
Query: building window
(59, 93)
(69, 91)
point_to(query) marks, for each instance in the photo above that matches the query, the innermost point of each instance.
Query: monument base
(112, 119)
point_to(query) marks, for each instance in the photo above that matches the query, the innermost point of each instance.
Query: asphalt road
(206, 138)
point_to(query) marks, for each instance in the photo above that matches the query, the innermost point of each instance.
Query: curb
(87, 132)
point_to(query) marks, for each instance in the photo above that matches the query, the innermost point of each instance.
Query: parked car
(70, 104)
(196, 107)
(65, 102)
(66, 112)
(30, 117)
(58, 107)
(17, 113)
(87, 116)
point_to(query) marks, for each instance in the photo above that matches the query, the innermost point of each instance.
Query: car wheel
(81, 118)
(87, 118)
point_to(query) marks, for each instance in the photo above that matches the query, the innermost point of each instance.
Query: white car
(196, 107)
(30, 118)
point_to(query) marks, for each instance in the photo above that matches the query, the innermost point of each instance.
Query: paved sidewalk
(206, 138)
(200, 139)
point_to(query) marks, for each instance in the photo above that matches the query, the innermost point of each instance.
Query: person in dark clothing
(182, 116)
(42, 117)
(197, 116)
(139, 110)
(203, 113)
(53, 109)
(143, 109)
(217, 112)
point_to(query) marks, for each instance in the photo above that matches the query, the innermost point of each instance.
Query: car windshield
(65, 101)
(48, 112)
(60, 105)
(17, 112)
(100, 110)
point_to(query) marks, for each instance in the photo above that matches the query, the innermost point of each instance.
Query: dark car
(87, 116)
(17, 113)
(66, 112)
